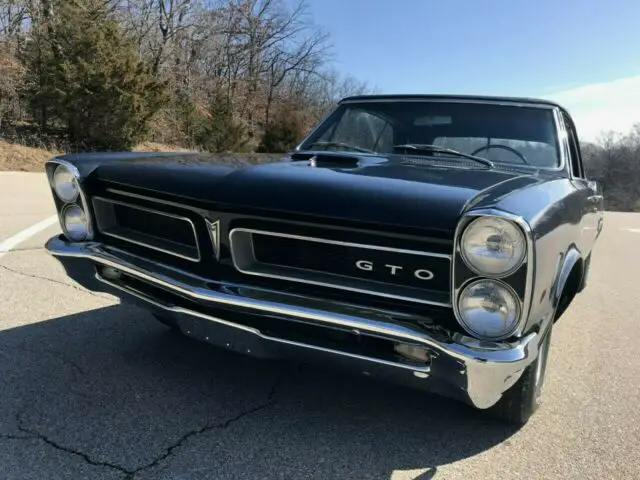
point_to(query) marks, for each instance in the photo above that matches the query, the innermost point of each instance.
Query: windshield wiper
(342, 145)
(425, 147)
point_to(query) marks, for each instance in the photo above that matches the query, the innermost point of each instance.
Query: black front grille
(160, 231)
(157, 225)
(392, 267)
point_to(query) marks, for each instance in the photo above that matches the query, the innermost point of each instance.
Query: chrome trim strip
(341, 243)
(314, 129)
(563, 142)
(157, 212)
(297, 223)
(180, 310)
(83, 199)
(525, 308)
(153, 199)
(460, 347)
(235, 259)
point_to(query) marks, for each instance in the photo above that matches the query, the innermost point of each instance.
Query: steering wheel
(503, 147)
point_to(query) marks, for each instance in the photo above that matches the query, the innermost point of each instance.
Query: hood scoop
(334, 161)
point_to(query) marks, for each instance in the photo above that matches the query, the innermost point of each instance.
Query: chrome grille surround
(107, 224)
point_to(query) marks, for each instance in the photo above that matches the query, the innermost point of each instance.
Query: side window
(362, 129)
(574, 149)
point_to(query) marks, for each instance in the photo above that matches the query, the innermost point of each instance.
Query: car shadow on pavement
(111, 393)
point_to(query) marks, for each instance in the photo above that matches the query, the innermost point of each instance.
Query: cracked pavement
(93, 389)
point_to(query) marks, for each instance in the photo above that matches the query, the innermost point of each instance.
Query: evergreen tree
(218, 130)
(90, 79)
(283, 132)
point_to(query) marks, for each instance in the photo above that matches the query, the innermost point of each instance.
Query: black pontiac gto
(428, 240)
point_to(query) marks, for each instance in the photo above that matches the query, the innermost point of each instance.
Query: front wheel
(522, 400)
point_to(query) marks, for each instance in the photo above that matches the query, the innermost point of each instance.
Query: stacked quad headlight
(74, 220)
(492, 248)
(65, 184)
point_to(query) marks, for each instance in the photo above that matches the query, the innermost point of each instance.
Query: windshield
(500, 133)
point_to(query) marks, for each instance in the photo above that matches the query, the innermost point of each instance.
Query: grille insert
(164, 232)
(415, 276)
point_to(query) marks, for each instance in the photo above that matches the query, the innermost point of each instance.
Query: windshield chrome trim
(500, 101)
(315, 128)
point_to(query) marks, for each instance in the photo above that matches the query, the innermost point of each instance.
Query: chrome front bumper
(474, 371)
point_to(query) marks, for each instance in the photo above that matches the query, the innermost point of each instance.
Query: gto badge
(420, 274)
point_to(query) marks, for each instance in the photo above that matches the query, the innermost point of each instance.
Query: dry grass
(158, 147)
(19, 158)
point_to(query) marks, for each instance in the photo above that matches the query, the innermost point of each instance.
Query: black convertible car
(428, 240)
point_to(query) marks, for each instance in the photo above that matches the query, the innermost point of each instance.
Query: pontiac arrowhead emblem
(214, 233)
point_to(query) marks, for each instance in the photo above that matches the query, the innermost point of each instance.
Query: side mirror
(593, 185)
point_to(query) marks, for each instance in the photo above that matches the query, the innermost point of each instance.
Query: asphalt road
(93, 389)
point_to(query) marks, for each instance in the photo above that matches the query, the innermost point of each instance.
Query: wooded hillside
(219, 75)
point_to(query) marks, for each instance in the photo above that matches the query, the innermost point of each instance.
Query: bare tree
(614, 161)
(13, 14)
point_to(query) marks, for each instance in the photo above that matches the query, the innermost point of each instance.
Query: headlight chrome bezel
(62, 205)
(510, 224)
(461, 280)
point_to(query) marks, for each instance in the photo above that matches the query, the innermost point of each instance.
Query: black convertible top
(470, 98)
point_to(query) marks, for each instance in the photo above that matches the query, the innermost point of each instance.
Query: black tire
(166, 321)
(521, 401)
(585, 274)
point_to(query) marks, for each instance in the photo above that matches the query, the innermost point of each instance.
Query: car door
(590, 191)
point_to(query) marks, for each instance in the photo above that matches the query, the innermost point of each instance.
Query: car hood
(375, 190)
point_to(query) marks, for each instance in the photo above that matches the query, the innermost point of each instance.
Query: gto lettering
(423, 274)
(420, 274)
(393, 268)
(364, 265)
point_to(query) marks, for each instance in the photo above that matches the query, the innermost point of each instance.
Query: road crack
(8, 436)
(75, 367)
(51, 280)
(269, 402)
(32, 433)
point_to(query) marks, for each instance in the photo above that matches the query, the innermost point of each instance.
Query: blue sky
(586, 53)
